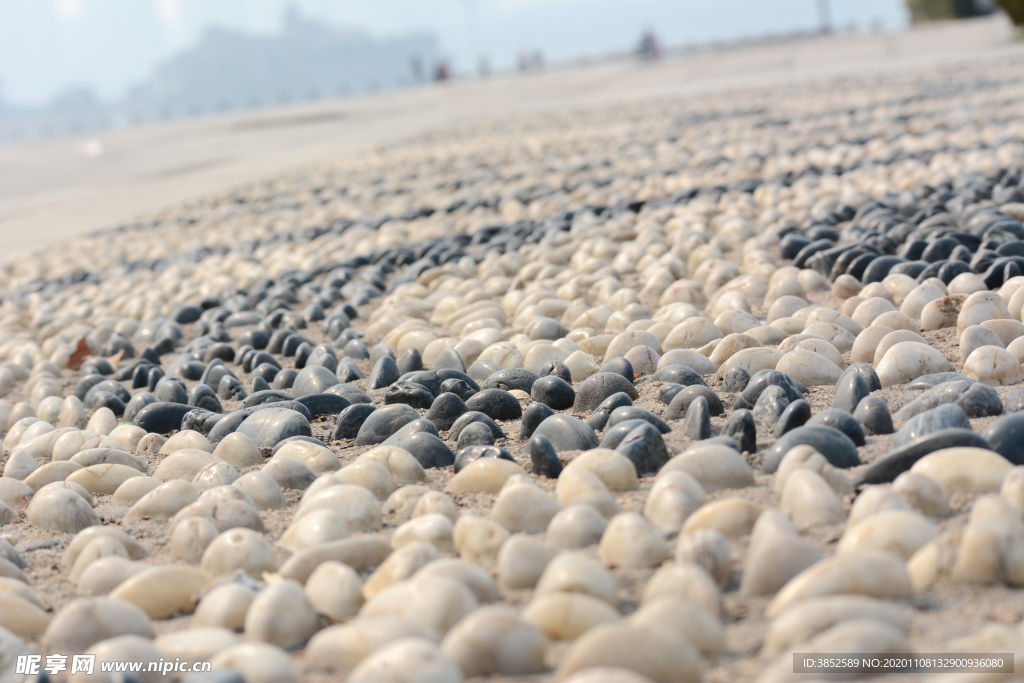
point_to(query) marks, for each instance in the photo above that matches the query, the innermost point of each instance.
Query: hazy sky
(50, 45)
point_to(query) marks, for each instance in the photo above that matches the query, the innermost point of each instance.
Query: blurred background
(73, 66)
(112, 110)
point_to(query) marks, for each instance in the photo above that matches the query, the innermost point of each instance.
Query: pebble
(809, 500)
(659, 657)
(61, 510)
(478, 540)
(434, 602)
(972, 470)
(523, 507)
(630, 541)
(598, 387)
(689, 582)
(837, 448)
(713, 467)
(906, 361)
(900, 532)
(706, 548)
(521, 562)
(776, 554)
(163, 591)
(994, 366)
(874, 573)
(577, 572)
(339, 649)
(567, 616)
(925, 494)
(806, 619)
(575, 526)
(732, 517)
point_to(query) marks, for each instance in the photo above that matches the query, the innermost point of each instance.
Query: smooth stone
(409, 393)
(614, 470)
(163, 502)
(282, 616)
(869, 572)
(678, 374)
(469, 418)
(735, 379)
(575, 526)
(567, 433)
(873, 414)
(760, 381)
(842, 421)
(906, 361)
(163, 591)
(408, 659)
(265, 428)
(690, 358)
(732, 517)
(809, 368)
(925, 494)
(994, 366)
(770, 405)
(975, 398)
(495, 640)
(946, 416)
(796, 414)
(524, 508)
(849, 391)
(383, 423)
(385, 373)
(543, 457)
(497, 404)
(262, 489)
(436, 603)
(316, 527)
(458, 387)
(683, 620)
(630, 541)
(445, 410)
(434, 528)
(1005, 436)
(473, 453)
(697, 424)
(83, 622)
(810, 500)
(314, 379)
(713, 467)
(61, 510)
(596, 388)
(161, 418)
(624, 413)
(659, 657)
(360, 553)
(577, 572)
(708, 549)
(511, 378)
(425, 447)
(358, 506)
(837, 448)
(775, 555)
(619, 366)
(475, 434)
(567, 616)
(533, 416)
(646, 449)
(741, 427)
(289, 473)
(806, 619)
(239, 549)
(599, 419)
(400, 565)
(486, 475)
(900, 532)
(682, 399)
(964, 469)
(521, 561)
(554, 392)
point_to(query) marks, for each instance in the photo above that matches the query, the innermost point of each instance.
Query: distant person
(443, 72)
(416, 65)
(649, 49)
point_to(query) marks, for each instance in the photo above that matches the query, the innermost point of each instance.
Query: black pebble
(409, 393)
(697, 424)
(411, 361)
(532, 417)
(445, 409)
(849, 391)
(545, 462)
(458, 387)
(770, 404)
(841, 420)
(553, 391)
(873, 413)
(645, 448)
(735, 380)
(556, 369)
(599, 419)
(795, 415)
(620, 366)
(682, 400)
(475, 434)
(498, 404)
(474, 453)
(351, 419)
(623, 413)
(741, 427)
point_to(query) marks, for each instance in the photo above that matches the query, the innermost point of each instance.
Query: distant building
(307, 60)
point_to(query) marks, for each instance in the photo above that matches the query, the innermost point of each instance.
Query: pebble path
(659, 392)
